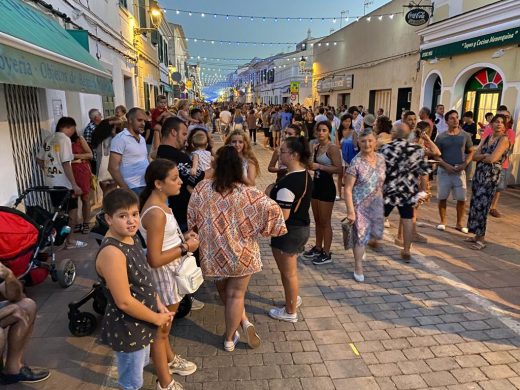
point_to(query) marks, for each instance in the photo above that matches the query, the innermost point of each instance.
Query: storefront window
(482, 93)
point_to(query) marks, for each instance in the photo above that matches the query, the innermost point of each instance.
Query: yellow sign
(189, 84)
(295, 87)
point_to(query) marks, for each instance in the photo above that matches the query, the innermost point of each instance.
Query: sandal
(478, 245)
(470, 239)
(85, 228)
(495, 213)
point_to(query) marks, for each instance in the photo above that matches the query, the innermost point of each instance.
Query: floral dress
(484, 186)
(367, 196)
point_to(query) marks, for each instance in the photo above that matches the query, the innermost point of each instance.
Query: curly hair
(247, 152)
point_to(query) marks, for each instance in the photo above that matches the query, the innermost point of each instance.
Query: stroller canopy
(18, 233)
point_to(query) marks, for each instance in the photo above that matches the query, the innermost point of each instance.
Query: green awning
(167, 87)
(35, 50)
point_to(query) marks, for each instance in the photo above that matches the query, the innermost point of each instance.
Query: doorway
(404, 101)
(482, 93)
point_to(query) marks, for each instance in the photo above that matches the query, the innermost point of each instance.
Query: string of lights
(244, 43)
(252, 18)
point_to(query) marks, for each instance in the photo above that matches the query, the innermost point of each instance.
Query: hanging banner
(295, 87)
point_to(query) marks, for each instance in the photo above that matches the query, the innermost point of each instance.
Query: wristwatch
(184, 249)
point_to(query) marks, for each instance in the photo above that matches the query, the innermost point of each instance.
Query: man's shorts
(130, 367)
(405, 211)
(454, 183)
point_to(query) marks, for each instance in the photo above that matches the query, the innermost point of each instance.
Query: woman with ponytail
(293, 194)
(165, 250)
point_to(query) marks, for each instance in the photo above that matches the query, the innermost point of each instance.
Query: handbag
(346, 229)
(188, 275)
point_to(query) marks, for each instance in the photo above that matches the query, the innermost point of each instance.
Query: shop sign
(295, 87)
(331, 84)
(501, 38)
(417, 17)
(23, 68)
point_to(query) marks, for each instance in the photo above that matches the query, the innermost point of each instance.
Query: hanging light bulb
(381, 17)
(189, 13)
(369, 19)
(391, 16)
(202, 15)
(177, 12)
(334, 20)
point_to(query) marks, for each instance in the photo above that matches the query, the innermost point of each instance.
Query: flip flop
(462, 229)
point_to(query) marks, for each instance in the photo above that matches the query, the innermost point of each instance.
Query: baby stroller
(83, 323)
(28, 241)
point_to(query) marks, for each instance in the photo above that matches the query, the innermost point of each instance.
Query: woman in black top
(293, 194)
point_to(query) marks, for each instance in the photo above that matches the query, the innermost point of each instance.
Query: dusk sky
(233, 29)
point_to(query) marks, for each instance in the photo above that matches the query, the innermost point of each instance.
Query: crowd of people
(162, 176)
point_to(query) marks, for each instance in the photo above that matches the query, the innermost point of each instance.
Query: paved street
(440, 322)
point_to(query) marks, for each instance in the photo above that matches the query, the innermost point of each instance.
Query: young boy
(134, 311)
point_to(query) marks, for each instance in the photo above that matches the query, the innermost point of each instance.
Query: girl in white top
(240, 141)
(165, 249)
(201, 157)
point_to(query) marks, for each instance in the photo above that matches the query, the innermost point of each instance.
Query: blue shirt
(286, 119)
(348, 151)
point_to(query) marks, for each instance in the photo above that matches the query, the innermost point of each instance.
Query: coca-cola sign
(417, 17)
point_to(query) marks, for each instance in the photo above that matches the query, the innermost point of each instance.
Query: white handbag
(189, 275)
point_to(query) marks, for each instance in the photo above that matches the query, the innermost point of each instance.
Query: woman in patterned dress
(229, 216)
(490, 155)
(364, 198)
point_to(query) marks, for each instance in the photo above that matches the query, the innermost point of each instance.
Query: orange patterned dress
(229, 226)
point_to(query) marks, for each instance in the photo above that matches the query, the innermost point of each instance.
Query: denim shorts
(130, 367)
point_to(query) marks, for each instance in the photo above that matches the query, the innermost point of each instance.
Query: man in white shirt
(55, 159)
(357, 119)
(225, 120)
(321, 115)
(440, 122)
(128, 154)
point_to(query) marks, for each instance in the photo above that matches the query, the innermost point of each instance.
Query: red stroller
(28, 242)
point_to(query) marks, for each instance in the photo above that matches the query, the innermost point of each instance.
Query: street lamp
(156, 16)
(302, 63)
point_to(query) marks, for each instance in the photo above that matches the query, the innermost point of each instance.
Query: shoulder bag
(189, 275)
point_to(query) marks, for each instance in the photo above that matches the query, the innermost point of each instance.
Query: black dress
(484, 187)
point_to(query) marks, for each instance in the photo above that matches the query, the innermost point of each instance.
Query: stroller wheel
(82, 324)
(66, 273)
(184, 307)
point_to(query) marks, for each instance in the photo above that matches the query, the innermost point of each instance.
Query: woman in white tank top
(165, 249)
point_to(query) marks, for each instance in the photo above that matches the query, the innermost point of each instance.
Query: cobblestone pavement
(436, 323)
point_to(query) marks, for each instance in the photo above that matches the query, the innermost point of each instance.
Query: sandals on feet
(406, 256)
(478, 245)
(470, 239)
(85, 228)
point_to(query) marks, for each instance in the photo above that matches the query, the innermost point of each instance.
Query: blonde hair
(247, 152)
(200, 139)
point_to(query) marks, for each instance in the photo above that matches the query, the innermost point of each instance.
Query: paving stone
(285, 384)
(217, 361)
(406, 382)
(442, 364)
(336, 352)
(309, 346)
(278, 358)
(473, 347)
(386, 369)
(298, 335)
(370, 335)
(265, 372)
(328, 323)
(422, 341)
(330, 336)
(414, 367)
(418, 353)
(390, 356)
(465, 386)
(296, 371)
(498, 372)
(366, 383)
(385, 383)
(319, 369)
(307, 357)
(233, 373)
(400, 332)
(445, 350)
(440, 378)
(347, 368)
(288, 346)
(448, 338)
(317, 312)
(396, 344)
(369, 346)
(465, 375)
(499, 384)
(471, 361)
(317, 383)
(502, 357)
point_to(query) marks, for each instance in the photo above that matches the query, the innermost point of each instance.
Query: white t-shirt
(56, 150)
(320, 118)
(358, 123)
(134, 158)
(440, 123)
(225, 117)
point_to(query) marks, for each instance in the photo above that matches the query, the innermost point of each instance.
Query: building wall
(391, 62)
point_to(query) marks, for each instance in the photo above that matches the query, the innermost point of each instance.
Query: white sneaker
(230, 345)
(299, 301)
(181, 366)
(172, 386)
(279, 313)
(359, 278)
(441, 227)
(253, 339)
